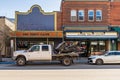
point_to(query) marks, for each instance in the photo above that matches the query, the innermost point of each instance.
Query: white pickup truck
(43, 52)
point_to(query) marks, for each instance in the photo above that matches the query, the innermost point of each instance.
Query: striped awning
(91, 37)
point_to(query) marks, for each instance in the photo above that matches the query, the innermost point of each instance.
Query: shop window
(98, 15)
(45, 48)
(81, 15)
(22, 44)
(73, 15)
(97, 46)
(101, 46)
(94, 46)
(91, 15)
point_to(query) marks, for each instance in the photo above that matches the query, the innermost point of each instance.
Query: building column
(113, 45)
(109, 45)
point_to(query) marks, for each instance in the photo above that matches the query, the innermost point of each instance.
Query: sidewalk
(7, 61)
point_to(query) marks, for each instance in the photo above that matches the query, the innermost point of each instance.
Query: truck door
(34, 53)
(46, 52)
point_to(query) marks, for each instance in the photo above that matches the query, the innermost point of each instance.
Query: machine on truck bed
(45, 52)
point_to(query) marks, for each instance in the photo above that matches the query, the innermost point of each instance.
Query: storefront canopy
(91, 35)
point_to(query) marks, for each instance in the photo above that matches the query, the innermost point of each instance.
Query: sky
(8, 7)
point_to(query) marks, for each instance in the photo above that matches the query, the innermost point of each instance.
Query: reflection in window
(35, 48)
(91, 15)
(73, 15)
(81, 15)
(45, 48)
(98, 15)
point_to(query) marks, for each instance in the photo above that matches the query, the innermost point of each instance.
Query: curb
(7, 62)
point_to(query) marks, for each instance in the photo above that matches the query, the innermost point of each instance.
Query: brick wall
(115, 13)
(59, 21)
(68, 6)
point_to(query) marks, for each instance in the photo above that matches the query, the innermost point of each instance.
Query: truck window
(35, 48)
(45, 48)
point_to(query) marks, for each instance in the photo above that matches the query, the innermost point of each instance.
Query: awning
(117, 29)
(91, 37)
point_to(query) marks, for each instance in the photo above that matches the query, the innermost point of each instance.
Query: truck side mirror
(106, 54)
(30, 51)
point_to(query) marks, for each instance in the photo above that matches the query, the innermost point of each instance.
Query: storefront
(96, 39)
(35, 27)
(24, 40)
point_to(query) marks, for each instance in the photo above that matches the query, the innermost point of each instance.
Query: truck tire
(66, 61)
(21, 61)
(99, 61)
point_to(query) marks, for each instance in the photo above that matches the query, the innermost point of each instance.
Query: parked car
(106, 57)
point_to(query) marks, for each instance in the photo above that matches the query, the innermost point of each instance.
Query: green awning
(117, 29)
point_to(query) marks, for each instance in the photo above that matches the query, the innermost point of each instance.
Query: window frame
(83, 15)
(73, 13)
(90, 15)
(99, 15)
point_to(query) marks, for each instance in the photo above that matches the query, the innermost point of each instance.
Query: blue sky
(8, 7)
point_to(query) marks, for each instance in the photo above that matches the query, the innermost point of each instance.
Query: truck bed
(66, 54)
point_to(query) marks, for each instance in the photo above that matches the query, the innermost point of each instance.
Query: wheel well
(100, 59)
(20, 56)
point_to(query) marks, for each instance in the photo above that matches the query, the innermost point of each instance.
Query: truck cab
(36, 52)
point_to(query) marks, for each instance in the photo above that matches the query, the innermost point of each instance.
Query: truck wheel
(99, 61)
(21, 61)
(66, 61)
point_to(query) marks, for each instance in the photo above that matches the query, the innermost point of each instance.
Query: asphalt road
(57, 66)
(56, 71)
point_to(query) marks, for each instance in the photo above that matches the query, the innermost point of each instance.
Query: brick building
(88, 22)
(115, 19)
(94, 24)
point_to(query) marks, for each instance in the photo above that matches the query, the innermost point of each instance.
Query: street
(57, 66)
(54, 70)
